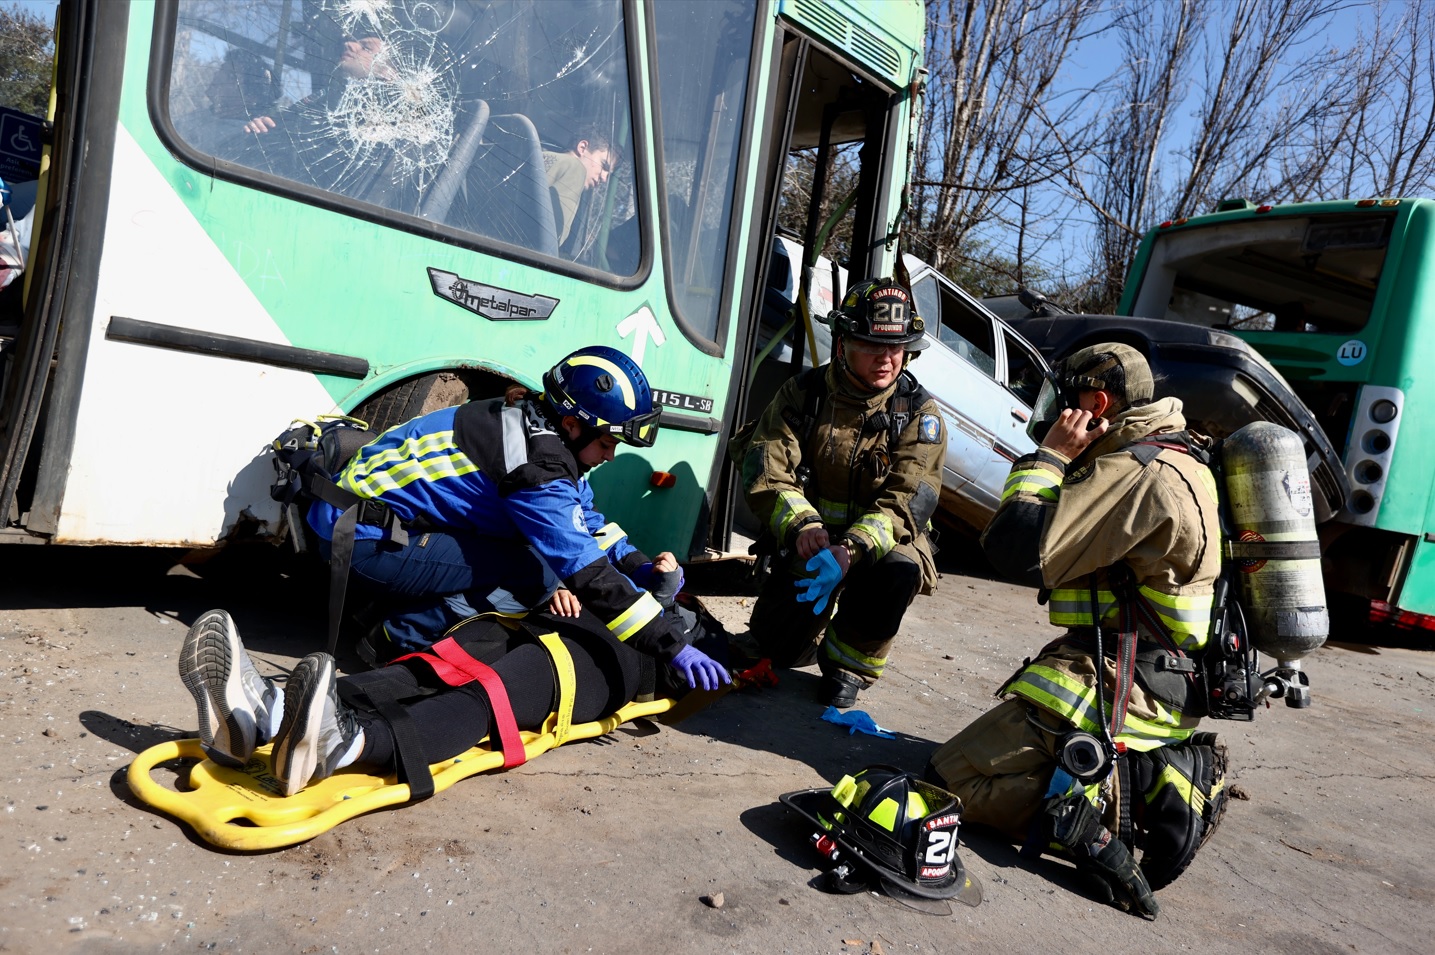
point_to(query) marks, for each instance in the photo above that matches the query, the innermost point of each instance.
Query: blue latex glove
(816, 590)
(700, 670)
(856, 721)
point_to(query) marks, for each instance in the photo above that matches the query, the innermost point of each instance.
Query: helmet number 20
(889, 312)
(940, 845)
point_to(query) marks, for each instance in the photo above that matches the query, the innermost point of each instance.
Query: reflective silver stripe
(1078, 709)
(515, 440)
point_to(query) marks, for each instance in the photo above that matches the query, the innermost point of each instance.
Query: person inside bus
(492, 490)
(586, 164)
(239, 88)
(844, 470)
(360, 57)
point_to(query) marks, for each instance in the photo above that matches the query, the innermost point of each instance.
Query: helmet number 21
(940, 846)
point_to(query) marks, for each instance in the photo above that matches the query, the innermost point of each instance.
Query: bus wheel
(412, 398)
(417, 396)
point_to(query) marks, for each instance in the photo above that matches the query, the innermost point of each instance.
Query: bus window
(509, 120)
(703, 53)
(1290, 274)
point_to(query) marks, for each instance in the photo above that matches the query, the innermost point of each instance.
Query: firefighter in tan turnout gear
(1112, 513)
(844, 470)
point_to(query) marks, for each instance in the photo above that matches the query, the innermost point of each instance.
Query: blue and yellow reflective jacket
(499, 471)
(1061, 528)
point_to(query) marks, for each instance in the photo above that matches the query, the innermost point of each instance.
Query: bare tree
(1376, 140)
(992, 92)
(1256, 80)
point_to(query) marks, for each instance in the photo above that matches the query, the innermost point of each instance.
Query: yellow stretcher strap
(243, 809)
(560, 721)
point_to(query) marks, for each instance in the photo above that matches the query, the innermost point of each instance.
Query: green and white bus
(253, 211)
(1340, 298)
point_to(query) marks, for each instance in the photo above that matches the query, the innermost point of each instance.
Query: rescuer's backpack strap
(308, 458)
(1227, 662)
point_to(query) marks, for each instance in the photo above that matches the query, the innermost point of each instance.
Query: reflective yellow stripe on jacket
(430, 457)
(791, 507)
(1043, 482)
(875, 530)
(630, 621)
(1071, 607)
(1072, 700)
(1187, 617)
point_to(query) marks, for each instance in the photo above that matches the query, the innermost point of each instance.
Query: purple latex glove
(816, 590)
(700, 670)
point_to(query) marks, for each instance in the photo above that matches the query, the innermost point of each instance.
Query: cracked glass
(507, 119)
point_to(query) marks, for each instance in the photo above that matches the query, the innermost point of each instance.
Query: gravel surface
(623, 844)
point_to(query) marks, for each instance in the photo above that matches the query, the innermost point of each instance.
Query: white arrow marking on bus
(645, 324)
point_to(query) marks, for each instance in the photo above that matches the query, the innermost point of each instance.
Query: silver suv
(982, 373)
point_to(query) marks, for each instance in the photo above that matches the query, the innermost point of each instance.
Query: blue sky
(46, 8)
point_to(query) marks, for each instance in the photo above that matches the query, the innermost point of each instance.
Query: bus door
(832, 174)
(44, 339)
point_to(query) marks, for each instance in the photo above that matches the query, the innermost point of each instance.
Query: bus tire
(411, 398)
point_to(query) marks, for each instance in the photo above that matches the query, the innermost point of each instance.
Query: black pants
(451, 720)
(874, 598)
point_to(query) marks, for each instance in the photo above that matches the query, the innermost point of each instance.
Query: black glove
(1100, 856)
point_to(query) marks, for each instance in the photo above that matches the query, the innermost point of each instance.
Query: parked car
(1222, 382)
(985, 376)
(980, 371)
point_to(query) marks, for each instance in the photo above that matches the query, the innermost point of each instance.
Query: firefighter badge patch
(929, 429)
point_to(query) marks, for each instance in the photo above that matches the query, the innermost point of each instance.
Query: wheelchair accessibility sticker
(1351, 353)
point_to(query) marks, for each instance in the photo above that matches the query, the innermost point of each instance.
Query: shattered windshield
(508, 119)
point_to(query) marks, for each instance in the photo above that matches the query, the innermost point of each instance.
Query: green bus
(1340, 298)
(252, 211)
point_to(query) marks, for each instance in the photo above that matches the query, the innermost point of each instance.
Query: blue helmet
(606, 391)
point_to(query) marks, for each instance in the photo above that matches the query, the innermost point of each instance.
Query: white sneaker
(319, 733)
(238, 708)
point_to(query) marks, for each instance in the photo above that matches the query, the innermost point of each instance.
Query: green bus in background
(1340, 297)
(252, 211)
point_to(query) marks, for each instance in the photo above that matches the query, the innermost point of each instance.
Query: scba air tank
(1273, 541)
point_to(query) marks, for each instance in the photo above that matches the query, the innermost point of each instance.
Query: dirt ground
(611, 845)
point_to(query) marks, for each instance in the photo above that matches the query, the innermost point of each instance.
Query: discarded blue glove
(857, 721)
(816, 590)
(700, 670)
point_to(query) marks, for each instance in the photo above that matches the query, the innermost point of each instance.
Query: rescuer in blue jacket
(489, 488)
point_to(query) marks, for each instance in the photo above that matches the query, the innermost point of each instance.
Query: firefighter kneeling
(1118, 523)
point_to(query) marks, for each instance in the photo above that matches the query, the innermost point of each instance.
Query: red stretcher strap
(456, 668)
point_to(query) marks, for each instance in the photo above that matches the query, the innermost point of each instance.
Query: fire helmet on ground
(606, 391)
(880, 311)
(902, 827)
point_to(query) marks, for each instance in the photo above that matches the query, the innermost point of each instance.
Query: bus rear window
(1299, 274)
(507, 119)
